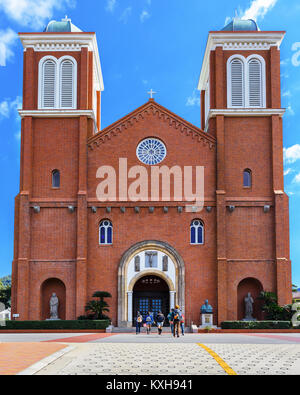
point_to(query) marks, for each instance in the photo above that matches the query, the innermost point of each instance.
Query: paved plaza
(129, 354)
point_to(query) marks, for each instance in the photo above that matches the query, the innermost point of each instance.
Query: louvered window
(66, 84)
(57, 83)
(237, 83)
(49, 84)
(255, 83)
(246, 82)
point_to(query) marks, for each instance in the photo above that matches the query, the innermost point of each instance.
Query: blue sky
(145, 44)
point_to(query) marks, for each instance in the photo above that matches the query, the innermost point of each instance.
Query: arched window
(236, 83)
(255, 83)
(67, 84)
(246, 82)
(57, 83)
(48, 84)
(247, 178)
(197, 232)
(55, 179)
(105, 232)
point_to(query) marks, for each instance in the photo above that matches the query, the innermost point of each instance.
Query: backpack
(148, 319)
(177, 315)
(160, 318)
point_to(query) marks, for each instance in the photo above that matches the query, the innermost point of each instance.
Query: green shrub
(256, 325)
(98, 307)
(77, 325)
(274, 312)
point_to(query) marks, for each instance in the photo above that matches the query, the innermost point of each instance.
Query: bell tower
(62, 85)
(241, 107)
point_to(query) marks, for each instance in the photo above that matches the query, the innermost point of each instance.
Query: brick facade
(55, 243)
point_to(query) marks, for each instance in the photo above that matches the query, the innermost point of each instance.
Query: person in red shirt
(182, 324)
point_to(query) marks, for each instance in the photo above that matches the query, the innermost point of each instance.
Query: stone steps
(143, 330)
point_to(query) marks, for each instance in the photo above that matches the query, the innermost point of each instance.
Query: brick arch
(253, 285)
(48, 287)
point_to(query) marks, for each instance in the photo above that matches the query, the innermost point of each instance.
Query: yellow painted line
(220, 361)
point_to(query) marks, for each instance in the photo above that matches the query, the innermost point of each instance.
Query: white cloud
(286, 94)
(144, 15)
(193, 100)
(125, 15)
(296, 179)
(34, 13)
(291, 154)
(258, 9)
(285, 62)
(8, 38)
(296, 57)
(9, 106)
(18, 135)
(287, 171)
(290, 110)
(111, 5)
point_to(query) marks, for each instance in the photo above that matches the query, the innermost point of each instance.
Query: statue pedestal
(249, 319)
(207, 321)
(53, 319)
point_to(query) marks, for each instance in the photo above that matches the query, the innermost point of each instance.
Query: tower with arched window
(61, 109)
(241, 107)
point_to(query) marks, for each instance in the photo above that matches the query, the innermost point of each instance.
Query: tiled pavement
(103, 354)
(15, 357)
(191, 359)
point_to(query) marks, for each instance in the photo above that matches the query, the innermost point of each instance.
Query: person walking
(170, 318)
(149, 322)
(182, 324)
(177, 316)
(139, 322)
(160, 319)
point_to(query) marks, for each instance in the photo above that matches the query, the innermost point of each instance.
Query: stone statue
(165, 263)
(248, 307)
(151, 256)
(206, 308)
(137, 263)
(54, 302)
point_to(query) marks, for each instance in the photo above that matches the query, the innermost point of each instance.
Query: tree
(5, 294)
(98, 307)
(294, 288)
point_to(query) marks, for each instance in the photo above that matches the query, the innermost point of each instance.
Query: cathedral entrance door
(151, 293)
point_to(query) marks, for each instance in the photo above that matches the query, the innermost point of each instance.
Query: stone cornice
(56, 113)
(56, 42)
(246, 112)
(237, 41)
(162, 113)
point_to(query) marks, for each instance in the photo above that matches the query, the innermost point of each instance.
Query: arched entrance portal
(149, 259)
(151, 293)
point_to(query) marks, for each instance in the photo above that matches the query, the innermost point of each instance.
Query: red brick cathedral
(151, 252)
